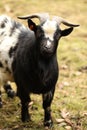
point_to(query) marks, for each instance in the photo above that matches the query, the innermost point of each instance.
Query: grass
(71, 88)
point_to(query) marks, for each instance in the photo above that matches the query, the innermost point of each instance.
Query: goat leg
(47, 100)
(24, 112)
(0, 100)
(11, 93)
(25, 99)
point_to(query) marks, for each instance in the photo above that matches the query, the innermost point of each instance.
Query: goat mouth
(47, 51)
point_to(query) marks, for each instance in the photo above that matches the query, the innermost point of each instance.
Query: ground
(69, 107)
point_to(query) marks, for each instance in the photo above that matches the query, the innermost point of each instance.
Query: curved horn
(42, 17)
(61, 20)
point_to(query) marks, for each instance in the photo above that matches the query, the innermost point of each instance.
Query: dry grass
(71, 89)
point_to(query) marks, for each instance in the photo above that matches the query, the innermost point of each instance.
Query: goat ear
(31, 25)
(66, 32)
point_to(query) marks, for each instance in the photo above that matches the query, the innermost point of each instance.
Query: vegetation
(69, 107)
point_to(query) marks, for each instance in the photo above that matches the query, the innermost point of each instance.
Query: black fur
(12, 51)
(11, 93)
(35, 69)
(1, 65)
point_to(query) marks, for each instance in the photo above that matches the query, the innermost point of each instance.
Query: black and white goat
(28, 57)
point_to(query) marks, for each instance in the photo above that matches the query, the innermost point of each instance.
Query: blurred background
(71, 89)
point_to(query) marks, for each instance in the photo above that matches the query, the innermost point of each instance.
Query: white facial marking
(48, 44)
(49, 27)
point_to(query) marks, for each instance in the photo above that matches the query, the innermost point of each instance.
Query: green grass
(71, 88)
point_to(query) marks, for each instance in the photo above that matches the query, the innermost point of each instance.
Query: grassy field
(69, 107)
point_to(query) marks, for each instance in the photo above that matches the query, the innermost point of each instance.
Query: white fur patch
(49, 28)
(48, 45)
(6, 42)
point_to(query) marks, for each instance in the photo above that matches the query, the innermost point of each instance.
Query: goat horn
(61, 20)
(42, 17)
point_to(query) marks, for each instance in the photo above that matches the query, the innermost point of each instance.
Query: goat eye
(40, 34)
(57, 36)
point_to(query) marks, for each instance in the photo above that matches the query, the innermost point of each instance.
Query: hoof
(11, 93)
(26, 118)
(48, 124)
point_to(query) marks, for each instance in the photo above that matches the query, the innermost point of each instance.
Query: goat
(29, 58)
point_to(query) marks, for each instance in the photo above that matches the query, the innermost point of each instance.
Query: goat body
(28, 57)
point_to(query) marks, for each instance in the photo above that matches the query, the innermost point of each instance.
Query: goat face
(47, 36)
